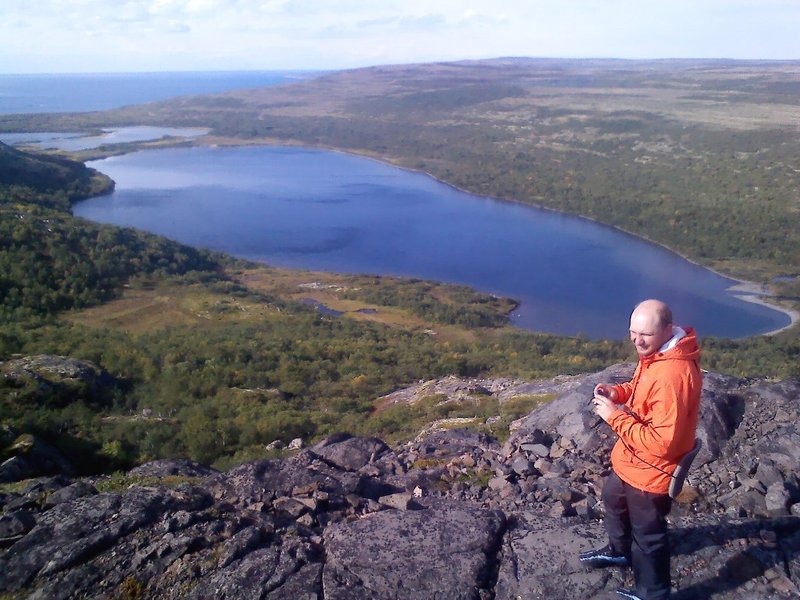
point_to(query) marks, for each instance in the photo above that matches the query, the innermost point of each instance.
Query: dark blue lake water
(313, 209)
(102, 91)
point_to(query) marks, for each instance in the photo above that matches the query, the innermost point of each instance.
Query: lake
(64, 140)
(320, 210)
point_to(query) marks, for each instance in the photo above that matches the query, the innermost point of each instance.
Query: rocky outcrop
(442, 550)
(31, 457)
(54, 380)
(453, 514)
(45, 381)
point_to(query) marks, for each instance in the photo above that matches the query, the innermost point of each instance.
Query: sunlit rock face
(451, 514)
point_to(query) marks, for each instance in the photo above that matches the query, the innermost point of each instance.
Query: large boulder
(350, 453)
(721, 410)
(54, 380)
(31, 457)
(73, 534)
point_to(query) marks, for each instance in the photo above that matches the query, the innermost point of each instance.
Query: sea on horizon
(85, 92)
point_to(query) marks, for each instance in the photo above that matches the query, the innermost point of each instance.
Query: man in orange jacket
(655, 416)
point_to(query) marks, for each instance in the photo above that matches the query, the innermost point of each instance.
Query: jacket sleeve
(624, 390)
(655, 433)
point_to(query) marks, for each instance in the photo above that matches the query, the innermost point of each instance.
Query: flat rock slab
(539, 559)
(445, 551)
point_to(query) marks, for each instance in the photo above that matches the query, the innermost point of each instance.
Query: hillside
(701, 156)
(49, 175)
(210, 358)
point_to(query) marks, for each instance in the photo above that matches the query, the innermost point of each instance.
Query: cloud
(178, 27)
(169, 34)
(422, 22)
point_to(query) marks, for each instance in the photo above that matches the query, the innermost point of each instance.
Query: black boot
(628, 594)
(603, 557)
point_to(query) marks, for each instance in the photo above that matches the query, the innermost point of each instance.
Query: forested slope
(213, 359)
(225, 369)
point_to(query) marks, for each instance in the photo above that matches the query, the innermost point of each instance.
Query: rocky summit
(453, 514)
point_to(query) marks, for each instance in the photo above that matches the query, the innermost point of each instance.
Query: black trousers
(637, 527)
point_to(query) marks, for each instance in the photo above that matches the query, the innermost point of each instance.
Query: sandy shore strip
(757, 294)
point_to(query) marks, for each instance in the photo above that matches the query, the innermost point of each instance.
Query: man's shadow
(772, 542)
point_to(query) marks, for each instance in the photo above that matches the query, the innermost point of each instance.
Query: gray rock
(290, 570)
(522, 466)
(753, 484)
(275, 445)
(584, 509)
(536, 449)
(767, 473)
(498, 483)
(73, 532)
(243, 542)
(31, 458)
(445, 551)
(569, 415)
(15, 468)
(539, 559)
(561, 509)
(70, 492)
(777, 499)
(401, 501)
(308, 526)
(172, 467)
(56, 380)
(292, 506)
(534, 436)
(783, 449)
(264, 480)
(353, 453)
(744, 498)
(721, 409)
(15, 524)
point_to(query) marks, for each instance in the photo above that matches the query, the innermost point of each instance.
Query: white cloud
(184, 34)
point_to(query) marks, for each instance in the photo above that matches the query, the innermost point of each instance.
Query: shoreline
(747, 291)
(755, 293)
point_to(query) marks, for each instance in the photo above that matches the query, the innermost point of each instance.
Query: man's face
(647, 335)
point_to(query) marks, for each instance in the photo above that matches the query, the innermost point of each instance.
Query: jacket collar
(678, 333)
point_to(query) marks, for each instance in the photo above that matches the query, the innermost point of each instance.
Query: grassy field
(145, 309)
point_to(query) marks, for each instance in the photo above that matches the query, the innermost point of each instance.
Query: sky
(85, 36)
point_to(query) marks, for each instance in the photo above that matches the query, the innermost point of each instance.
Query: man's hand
(607, 390)
(604, 407)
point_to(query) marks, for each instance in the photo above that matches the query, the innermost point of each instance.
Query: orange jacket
(656, 427)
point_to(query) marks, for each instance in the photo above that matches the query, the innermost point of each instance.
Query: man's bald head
(656, 308)
(651, 326)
